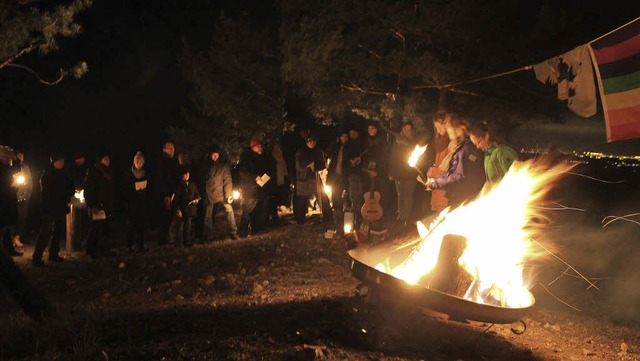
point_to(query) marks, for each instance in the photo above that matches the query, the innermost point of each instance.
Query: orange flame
(499, 230)
(416, 154)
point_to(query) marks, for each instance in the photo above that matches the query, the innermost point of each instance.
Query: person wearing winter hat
(254, 143)
(252, 166)
(135, 200)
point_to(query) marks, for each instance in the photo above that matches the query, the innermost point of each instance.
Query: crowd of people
(194, 202)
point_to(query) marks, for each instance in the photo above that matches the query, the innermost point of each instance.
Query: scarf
(137, 173)
(453, 146)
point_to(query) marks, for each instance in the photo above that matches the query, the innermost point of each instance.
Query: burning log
(448, 276)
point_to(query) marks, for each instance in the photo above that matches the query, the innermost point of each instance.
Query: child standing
(185, 202)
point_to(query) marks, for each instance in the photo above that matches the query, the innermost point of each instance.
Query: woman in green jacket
(498, 156)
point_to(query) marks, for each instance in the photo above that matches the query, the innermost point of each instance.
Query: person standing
(78, 170)
(278, 189)
(498, 156)
(465, 174)
(8, 200)
(166, 180)
(402, 174)
(218, 195)
(337, 179)
(56, 189)
(24, 182)
(185, 209)
(437, 151)
(251, 168)
(134, 185)
(375, 166)
(309, 161)
(355, 149)
(99, 193)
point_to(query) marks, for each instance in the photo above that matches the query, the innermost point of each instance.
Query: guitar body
(371, 209)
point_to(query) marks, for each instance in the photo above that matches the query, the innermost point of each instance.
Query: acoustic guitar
(371, 210)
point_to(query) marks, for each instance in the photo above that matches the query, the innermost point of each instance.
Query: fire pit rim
(455, 307)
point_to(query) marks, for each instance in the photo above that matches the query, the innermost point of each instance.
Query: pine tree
(29, 28)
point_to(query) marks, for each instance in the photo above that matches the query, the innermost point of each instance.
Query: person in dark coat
(78, 170)
(375, 166)
(8, 200)
(24, 181)
(251, 168)
(99, 193)
(167, 176)
(185, 209)
(134, 186)
(218, 195)
(56, 189)
(278, 190)
(309, 161)
(337, 178)
(355, 149)
(401, 173)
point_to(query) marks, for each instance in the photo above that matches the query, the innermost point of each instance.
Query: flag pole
(613, 31)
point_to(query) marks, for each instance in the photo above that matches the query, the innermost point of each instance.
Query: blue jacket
(465, 176)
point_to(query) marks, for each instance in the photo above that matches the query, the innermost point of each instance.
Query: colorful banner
(616, 59)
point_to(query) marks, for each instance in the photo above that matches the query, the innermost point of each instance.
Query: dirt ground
(287, 294)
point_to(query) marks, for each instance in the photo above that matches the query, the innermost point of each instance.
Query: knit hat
(55, 157)
(139, 156)
(254, 141)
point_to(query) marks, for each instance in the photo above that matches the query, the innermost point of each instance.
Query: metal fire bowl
(363, 261)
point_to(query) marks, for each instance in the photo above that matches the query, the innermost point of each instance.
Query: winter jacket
(251, 166)
(399, 167)
(465, 177)
(99, 188)
(185, 199)
(308, 162)
(56, 189)
(218, 183)
(167, 175)
(497, 161)
(131, 196)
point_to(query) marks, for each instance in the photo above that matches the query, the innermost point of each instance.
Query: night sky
(133, 89)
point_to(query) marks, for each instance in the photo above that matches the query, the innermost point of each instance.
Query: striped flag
(616, 59)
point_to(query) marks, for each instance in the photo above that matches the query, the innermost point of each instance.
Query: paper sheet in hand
(264, 179)
(141, 185)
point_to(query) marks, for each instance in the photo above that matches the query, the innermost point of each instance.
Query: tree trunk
(448, 276)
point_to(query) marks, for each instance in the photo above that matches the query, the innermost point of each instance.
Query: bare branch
(16, 56)
(26, 68)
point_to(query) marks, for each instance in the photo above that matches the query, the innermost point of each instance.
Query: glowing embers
(479, 251)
